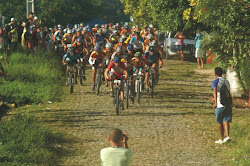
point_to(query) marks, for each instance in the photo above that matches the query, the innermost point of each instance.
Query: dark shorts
(223, 114)
(179, 47)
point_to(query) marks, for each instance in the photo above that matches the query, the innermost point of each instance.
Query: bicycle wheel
(98, 83)
(152, 86)
(138, 93)
(117, 101)
(127, 94)
(71, 80)
(80, 74)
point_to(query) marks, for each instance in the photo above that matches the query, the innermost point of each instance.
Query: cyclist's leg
(67, 72)
(122, 91)
(146, 78)
(93, 75)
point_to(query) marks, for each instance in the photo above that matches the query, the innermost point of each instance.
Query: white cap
(35, 18)
(12, 19)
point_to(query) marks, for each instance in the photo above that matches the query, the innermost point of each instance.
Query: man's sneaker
(111, 94)
(122, 106)
(226, 139)
(93, 88)
(219, 141)
(84, 78)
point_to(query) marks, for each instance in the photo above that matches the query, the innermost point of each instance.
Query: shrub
(24, 142)
(34, 79)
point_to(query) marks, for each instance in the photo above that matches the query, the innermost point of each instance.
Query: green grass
(35, 79)
(24, 141)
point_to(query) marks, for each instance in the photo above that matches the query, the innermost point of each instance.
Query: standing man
(198, 51)
(118, 154)
(223, 112)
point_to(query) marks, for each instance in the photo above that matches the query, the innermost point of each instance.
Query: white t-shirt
(116, 156)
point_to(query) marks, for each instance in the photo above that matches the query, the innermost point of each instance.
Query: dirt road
(166, 130)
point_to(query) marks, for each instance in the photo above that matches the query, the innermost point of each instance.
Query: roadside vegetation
(23, 141)
(33, 79)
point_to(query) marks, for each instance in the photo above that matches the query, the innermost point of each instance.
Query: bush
(34, 79)
(24, 142)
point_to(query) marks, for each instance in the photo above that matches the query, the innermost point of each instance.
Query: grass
(34, 79)
(24, 141)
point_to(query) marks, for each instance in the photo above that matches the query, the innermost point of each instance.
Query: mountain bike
(152, 80)
(80, 71)
(71, 78)
(98, 79)
(127, 87)
(138, 85)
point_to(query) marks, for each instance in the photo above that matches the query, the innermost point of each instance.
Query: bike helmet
(151, 26)
(120, 40)
(114, 31)
(82, 24)
(78, 30)
(153, 43)
(84, 29)
(126, 56)
(151, 48)
(130, 47)
(108, 45)
(69, 31)
(117, 59)
(138, 54)
(119, 49)
(96, 25)
(97, 48)
(126, 27)
(150, 36)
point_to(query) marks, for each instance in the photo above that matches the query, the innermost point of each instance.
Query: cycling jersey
(58, 36)
(152, 59)
(117, 70)
(67, 38)
(137, 42)
(71, 59)
(100, 40)
(97, 55)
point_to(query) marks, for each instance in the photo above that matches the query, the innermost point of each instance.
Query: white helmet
(150, 36)
(69, 31)
(151, 26)
(12, 19)
(108, 45)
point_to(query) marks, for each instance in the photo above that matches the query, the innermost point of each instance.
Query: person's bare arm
(215, 97)
(125, 140)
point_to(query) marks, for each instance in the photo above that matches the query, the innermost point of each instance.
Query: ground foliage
(33, 79)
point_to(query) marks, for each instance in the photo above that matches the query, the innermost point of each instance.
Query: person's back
(116, 156)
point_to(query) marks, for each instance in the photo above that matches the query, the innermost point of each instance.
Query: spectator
(223, 113)
(198, 51)
(180, 42)
(14, 38)
(118, 154)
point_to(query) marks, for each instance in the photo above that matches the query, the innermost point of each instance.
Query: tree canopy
(53, 12)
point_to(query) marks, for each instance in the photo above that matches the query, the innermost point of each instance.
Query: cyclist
(148, 40)
(126, 31)
(71, 58)
(138, 42)
(88, 36)
(95, 29)
(129, 63)
(154, 60)
(82, 50)
(58, 35)
(100, 39)
(66, 40)
(108, 52)
(117, 70)
(130, 50)
(96, 59)
(121, 44)
(114, 37)
(117, 53)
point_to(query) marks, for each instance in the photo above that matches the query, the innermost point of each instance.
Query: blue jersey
(71, 59)
(152, 59)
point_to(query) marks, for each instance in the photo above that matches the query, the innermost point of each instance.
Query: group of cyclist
(121, 51)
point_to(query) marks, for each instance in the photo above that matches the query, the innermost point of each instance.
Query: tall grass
(23, 141)
(35, 78)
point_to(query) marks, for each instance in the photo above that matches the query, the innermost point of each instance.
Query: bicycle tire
(138, 93)
(98, 83)
(117, 101)
(71, 79)
(152, 87)
(127, 94)
(80, 74)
